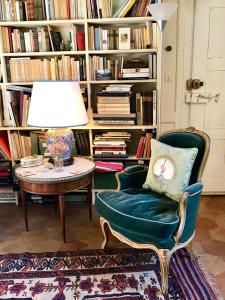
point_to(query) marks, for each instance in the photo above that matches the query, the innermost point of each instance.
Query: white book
(104, 39)
(124, 38)
(137, 74)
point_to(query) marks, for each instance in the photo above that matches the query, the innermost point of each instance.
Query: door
(207, 104)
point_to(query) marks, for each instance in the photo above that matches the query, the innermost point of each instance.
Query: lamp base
(60, 141)
(66, 162)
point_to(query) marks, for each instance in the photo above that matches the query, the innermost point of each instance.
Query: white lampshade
(162, 11)
(56, 104)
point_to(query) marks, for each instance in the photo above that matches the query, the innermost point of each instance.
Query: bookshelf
(91, 85)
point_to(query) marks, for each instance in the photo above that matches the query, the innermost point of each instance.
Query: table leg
(62, 216)
(89, 198)
(24, 203)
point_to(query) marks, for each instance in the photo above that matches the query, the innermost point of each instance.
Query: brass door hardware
(193, 84)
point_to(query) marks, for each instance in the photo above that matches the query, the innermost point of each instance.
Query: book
(80, 37)
(4, 145)
(147, 109)
(124, 38)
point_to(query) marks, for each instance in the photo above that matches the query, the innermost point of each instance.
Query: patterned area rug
(122, 274)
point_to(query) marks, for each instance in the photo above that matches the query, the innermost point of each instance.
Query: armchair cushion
(141, 215)
(169, 169)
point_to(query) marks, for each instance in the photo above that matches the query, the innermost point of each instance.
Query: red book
(140, 147)
(80, 41)
(4, 144)
(2, 174)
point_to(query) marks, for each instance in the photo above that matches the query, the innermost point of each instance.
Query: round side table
(44, 181)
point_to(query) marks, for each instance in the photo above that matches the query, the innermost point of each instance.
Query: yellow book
(127, 8)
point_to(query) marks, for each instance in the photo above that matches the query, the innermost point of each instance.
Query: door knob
(193, 84)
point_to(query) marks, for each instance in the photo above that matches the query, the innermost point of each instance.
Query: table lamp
(57, 105)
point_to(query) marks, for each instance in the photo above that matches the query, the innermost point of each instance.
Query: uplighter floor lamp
(57, 105)
(161, 13)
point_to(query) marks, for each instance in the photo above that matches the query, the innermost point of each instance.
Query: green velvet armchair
(145, 219)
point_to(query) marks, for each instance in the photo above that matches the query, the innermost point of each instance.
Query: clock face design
(164, 169)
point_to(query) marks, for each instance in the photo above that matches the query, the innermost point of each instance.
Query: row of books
(16, 40)
(41, 40)
(104, 68)
(99, 8)
(122, 38)
(20, 144)
(30, 10)
(114, 100)
(111, 145)
(18, 101)
(27, 69)
(146, 108)
(144, 146)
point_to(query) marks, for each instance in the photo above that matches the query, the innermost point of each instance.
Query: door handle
(193, 84)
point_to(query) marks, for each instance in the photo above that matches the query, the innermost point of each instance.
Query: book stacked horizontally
(111, 145)
(113, 105)
(5, 173)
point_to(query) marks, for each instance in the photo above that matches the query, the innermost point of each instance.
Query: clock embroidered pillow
(169, 169)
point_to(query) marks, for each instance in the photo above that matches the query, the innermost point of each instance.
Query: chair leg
(164, 259)
(105, 232)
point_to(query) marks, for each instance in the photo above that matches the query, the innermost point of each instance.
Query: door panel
(209, 66)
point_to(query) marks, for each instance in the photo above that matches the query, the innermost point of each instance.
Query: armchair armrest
(188, 210)
(131, 177)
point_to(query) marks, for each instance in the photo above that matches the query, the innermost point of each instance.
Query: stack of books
(144, 146)
(113, 105)
(5, 174)
(111, 145)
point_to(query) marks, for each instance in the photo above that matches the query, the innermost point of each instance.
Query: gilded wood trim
(163, 254)
(182, 216)
(207, 144)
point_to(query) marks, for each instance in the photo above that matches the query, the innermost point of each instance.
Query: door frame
(185, 36)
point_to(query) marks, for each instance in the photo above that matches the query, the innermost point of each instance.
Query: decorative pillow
(169, 169)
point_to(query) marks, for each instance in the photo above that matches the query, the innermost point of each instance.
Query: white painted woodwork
(201, 55)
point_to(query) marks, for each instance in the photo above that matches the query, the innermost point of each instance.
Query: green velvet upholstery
(146, 216)
(143, 216)
(133, 177)
(192, 204)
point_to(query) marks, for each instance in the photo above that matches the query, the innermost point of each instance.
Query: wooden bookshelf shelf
(86, 59)
(123, 81)
(100, 52)
(49, 53)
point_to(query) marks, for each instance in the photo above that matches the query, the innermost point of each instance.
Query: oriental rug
(122, 274)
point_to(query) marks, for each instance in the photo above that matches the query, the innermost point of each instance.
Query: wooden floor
(45, 234)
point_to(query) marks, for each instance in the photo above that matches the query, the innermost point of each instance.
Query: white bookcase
(90, 84)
